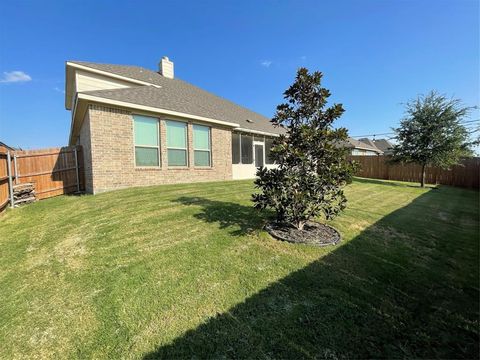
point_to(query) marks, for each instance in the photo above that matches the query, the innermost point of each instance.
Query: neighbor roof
(356, 144)
(180, 96)
(8, 147)
(383, 144)
(367, 141)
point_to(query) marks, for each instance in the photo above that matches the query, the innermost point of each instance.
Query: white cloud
(57, 89)
(303, 58)
(15, 76)
(266, 63)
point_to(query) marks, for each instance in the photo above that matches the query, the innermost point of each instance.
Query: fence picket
(53, 171)
(467, 174)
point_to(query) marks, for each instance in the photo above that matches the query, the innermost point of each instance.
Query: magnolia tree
(311, 156)
(431, 134)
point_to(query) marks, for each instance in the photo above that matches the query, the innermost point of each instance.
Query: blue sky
(375, 54)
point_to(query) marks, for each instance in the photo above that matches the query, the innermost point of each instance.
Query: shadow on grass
(388, 183)
(394, 291)
(227, 214)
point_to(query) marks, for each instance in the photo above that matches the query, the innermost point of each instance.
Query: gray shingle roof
(367, 141)
(383, 144)
(130, 71)
(178, 95)
(356, 144)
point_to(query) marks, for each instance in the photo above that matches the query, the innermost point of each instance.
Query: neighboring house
(4, 147)
(141, 127)
(384, 145)
(363, 147)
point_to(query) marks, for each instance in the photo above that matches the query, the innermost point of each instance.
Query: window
(268, 146)
(201, 145)
(176, 143)
(235, 148)
(246, 145)
(146, 141)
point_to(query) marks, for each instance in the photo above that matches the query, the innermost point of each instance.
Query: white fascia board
(109, 74)
(153, 109)
(368, 149)
(256, 132)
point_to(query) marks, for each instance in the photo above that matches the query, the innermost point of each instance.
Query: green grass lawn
(184, 271)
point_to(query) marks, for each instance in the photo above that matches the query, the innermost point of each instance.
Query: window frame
(147, 146)
(210, 160)
(177, 148)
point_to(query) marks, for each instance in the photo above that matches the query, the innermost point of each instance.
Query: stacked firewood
(23, 193)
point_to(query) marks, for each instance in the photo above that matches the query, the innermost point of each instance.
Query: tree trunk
(422, 184)
(300, 225)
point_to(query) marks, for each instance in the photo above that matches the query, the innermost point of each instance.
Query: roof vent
(249, 121)
(165, 67)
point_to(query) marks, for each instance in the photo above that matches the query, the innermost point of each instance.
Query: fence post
(10, 184)
(15, 167)
(76, 169)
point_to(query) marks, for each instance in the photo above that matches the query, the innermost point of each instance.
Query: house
(384, 145)
(363, 147)
(4, 147)
(141, 127)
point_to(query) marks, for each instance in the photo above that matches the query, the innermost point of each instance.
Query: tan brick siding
(84, 140)
(112, 156)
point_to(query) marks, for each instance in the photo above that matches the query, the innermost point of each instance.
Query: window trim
(159, 140)
(187, 157)
(210, 160)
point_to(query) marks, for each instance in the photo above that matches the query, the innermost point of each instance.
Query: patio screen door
(259, 155)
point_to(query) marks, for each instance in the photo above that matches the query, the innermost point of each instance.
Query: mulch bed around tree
(313, 233)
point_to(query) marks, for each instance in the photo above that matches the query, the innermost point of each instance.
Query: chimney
(165, 67)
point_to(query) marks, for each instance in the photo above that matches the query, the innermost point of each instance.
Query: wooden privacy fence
(53, 171)
(466, 175)
(4, 186)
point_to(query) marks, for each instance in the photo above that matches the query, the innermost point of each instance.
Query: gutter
(153, 109)
(97, 99)
(256, 132)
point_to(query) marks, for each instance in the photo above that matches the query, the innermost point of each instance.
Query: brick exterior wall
(84, 140)
(107, 139)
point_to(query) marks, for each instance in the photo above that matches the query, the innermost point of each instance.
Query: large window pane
(177, 157)
(176, 134)
(176, 143)
(247, 149)
(268, 146)
(201, 145)
(235, 148)
(202, 158)
(146, 130)
(201, 137)
(146, 156)
(146, 140)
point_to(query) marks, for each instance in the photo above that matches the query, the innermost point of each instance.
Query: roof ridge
(85, 63)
